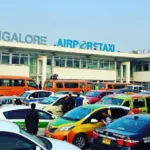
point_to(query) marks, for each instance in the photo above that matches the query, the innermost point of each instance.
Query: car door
(89, 127)
(44, 119)
(117, 113)
(57, 107)
(141, 105)
(17, 116)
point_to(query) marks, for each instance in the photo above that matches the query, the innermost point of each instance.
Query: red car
(96, 95)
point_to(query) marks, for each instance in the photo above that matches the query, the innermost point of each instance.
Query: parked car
(137, 88)
(17, 114)
(146, 92)
(138, 103)
(56, 107)
(94, 96)
(77, 125)
(34, 96)
(122, 91)
(14, 138)
(127, 133)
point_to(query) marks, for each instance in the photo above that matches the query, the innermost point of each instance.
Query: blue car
(131, 132)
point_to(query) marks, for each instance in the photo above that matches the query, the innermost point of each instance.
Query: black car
(121, 91)
(130, 132)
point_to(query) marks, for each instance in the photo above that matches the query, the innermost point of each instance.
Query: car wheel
(80, 141)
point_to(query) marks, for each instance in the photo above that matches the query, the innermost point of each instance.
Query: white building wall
(87, 74)
(141, 76)
(16, 70)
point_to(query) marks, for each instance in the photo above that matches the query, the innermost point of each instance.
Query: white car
(34, 96)
(14, 138)
(137, 88)
(17, 113)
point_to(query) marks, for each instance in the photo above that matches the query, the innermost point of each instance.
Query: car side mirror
(31, 97)
(38, 148)
(93, 121)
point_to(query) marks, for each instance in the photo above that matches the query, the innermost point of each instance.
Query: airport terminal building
(41, 61)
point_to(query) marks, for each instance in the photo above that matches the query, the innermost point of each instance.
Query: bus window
(109, 86)
(119, 86)
(82, 85)
(18, 82)
(31, 83)
(90, 85)
(101, 86)
(71, 85)
(5, 82)
(49, 85)
(59, 85)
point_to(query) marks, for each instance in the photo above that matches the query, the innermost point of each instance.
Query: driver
(107, 119)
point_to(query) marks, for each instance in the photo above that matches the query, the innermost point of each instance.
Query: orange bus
(68, 85)
(112, 85)
(15, 85)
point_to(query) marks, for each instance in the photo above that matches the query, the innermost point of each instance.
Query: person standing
(78, 100)
(32, 120)
(107, 119)
(40, 85)
(65, 105)
(71, 102)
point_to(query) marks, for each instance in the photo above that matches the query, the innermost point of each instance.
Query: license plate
(106, 141)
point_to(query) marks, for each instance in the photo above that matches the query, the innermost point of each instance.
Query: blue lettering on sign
(29, 39)
(86, 45)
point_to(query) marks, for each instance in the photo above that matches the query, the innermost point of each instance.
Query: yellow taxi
(138, 103)
(77, 125)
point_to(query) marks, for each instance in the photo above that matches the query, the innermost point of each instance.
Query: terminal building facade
(41, 61)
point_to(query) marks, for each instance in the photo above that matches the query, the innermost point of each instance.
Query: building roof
(55, 49)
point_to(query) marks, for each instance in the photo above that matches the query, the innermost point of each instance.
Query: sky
(125, 23)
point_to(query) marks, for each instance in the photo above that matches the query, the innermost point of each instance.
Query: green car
(16, 114)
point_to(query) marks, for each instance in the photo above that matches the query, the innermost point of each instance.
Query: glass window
(12, 141)
(128, 125)
(112, 65)
(138, 67)
(92, 94)
(16, 114)
(5, 58)
(69, 62)
(60, 61)
(24, 59)
(89, 64)
(106, 65)
(90, 85)
(15, 58)
(82, 85)
(76, 63)
(18, 82)
(71, 85)
(31, 83)
(49, 61)
(77, 114)
(49, 85)
(59, 85)
(44, 94)
(101, 64)
(44, 115)
(110, 100)
(145, 67)
(83, 63)
(117, 113)
(138, 103)
(5, 82)
(33, 65)
(95, 64)
(48, 100)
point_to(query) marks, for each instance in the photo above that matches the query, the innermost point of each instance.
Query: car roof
(32, 91)
(98, 106)
(8, 126)
(13, 107)
(142, 117)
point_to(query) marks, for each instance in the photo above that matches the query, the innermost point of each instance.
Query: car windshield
(93, 93)
(128, 125)
(25, 94)
(34, 138)
(111, 100)
(77, 114)
(49, 100)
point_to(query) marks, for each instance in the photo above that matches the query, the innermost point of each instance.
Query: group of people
(69, 103)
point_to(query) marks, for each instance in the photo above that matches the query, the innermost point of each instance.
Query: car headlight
(67, 128)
